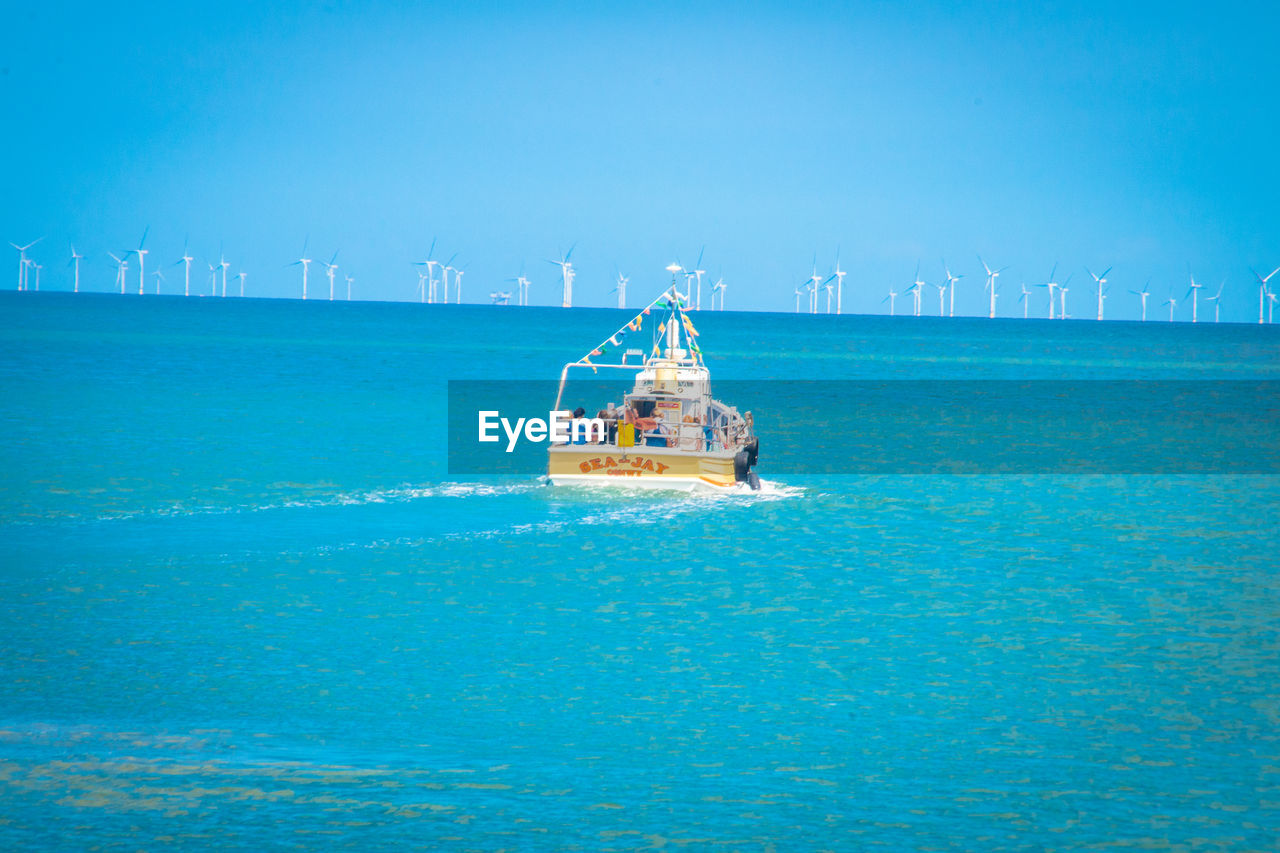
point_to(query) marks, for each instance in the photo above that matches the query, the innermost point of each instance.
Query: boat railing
(683, 436)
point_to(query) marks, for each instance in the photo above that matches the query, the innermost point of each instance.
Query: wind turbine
(349, 280)
(839, 275)
(122, 266)
(699, 273)
(566, 273)
(142, 258)
(951, 285)
(621, 288)
(1271, 309)
(38, 267)
(1062, 293)
(1217, 305)
(185, 259)
(22, 262)
(1023, 299)
(241, 275)
(430, 265)
(75, 259)
(992, 275)
(1172, 303)
(524, 290)
(831, 291)
(816, 283)
(213, 280)
(1101, 280)
(915, 289)
(457, 286)
(329, 269)
(223, 263)
(942, 299)
(799, 290)
(1194, 293)
(1144, 293)
(305, 262)
(159, 277)
(1262, 287)
(1051, 284)
(892, 299)
(720, 286)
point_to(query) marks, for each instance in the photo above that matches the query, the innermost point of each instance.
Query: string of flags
(671, 300)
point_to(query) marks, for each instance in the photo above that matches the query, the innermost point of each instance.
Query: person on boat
(653, 429)
(578, 434)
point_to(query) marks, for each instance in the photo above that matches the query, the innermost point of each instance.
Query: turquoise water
(244, 605)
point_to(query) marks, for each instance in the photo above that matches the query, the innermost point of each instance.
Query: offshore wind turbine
(305, 262)
(992, 276)
(1100, 280)
(37, 267)
(457, 286)
(142, 258)
(429, 278)
(241, 275)
(1062, 295)
(720, 286)
(1271, 310)
(223, 263)
(622, 291)
(122, 266)
(699, 273)
(566, 274)
(1023, 299)
(951, 286)
(1262, 287)
(800, 290)
(75, 259)
(815, 283)
(185, 259)
(916, 287)
(22, 262)
(1144, 293)
(892, 299)
(839, 276)
(329, 268)
(1051, 284)
(159, 277)
(1194, 293)
(1215, 299)
(349, 280)
(213, 280)
(942, 299)
(1172, 303)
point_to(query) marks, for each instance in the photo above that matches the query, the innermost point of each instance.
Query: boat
(667, 432)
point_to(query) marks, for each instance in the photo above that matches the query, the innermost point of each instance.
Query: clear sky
(1139, 135)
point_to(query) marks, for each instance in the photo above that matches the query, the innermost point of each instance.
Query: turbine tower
(622, 291)
(159, 277)
(942, 299)
(916, 287)
(1215, 299)
(223, 263)
(142, 258)
(1262, 288)
(1144, 293)
(1172, 303)
(992, 275)
(185, 259)
(1051, 284)
(699, 273)
(839, 276)
(1023, 299)
(75, 259)
(566, 274)
(429, 278)
(720, 286)
(122, 266)
(1100, 280)
(241, 275)
(457, 286)
(22, 262)
(305, 262)
(951, 285)
(330, 267)
(349, 278)
(892, 299)
(1194, 293)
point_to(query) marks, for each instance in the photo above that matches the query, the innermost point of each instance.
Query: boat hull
(641, 467)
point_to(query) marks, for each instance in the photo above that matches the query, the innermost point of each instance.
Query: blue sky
(1139, 136)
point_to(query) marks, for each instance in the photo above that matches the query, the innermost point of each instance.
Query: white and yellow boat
(668, 432)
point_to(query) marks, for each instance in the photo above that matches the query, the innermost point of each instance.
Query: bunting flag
(688, 324)
(595, 351)
(646, 311)
(662, 328)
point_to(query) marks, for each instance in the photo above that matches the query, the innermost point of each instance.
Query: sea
(249, 601)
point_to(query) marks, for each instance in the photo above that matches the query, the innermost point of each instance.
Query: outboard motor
(741, 466)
